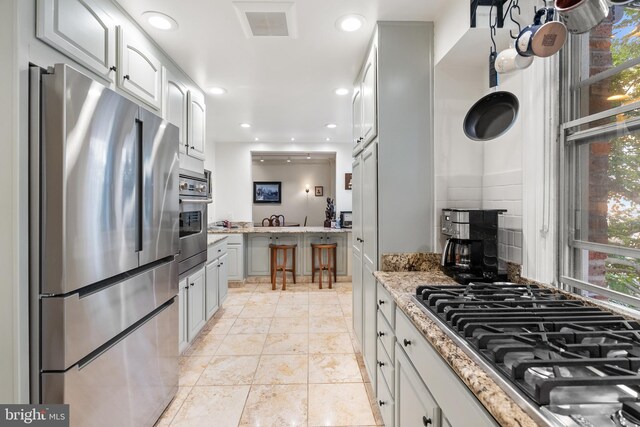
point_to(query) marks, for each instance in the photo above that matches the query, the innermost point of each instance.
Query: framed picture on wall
(348, 185)
(267, 192)
(319, 191)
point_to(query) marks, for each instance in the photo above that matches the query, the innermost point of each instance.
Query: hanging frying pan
(491, 116)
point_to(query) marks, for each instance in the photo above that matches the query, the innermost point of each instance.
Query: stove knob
(184, 185)
(426, 421)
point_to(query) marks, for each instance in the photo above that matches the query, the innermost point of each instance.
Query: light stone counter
(292, 230)
(212, 239)
(402, 285)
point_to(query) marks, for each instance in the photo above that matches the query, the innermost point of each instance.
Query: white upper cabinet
(175, 105)
(369, 122)
(139, 71)
(356, 111)
(197, 120)
(81, 30)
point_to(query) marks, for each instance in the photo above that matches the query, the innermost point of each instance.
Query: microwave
(346, 219)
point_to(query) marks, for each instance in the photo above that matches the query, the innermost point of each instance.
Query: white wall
(296, 204)
(233, 184)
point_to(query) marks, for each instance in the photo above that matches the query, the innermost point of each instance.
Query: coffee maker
(471, 250)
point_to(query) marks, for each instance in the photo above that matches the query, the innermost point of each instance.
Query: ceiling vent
(267, 19)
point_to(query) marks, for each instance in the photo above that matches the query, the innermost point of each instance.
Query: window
(600, 160)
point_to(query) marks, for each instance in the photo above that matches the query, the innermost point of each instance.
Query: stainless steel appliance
(471, 249)
(564, 361)
(104, 240)
(193, 220)
(346, 219)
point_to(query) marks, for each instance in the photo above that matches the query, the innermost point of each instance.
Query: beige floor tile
(293, 325)
(237, 299)
(207, 345)
(229, 312)
(229, 370)
(327, 324)
(282, 369)
(347, 310)
(276, 405)
(191, 368)
(294, 299)
(330, 343)
(291, 310)
(244, 344)
(256, 325)
(258, 310)
(221, 326)
(333, 368)
(339, 405)
(320, 298)
(170, 412)
(215, 406)
(265, 298)
(329, 310)
(286, 344)
(345, 298)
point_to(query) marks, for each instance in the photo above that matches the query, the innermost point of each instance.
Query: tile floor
(276, 358)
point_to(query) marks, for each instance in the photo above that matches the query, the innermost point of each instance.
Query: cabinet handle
(381, 334)
(219, 250)
(126, 77)
(193, 147)
(426, 421)
(407, 342)
(380, 301)
(381, 402)
(113, 68)
(222, 263)
(381, 364)
(191, 284)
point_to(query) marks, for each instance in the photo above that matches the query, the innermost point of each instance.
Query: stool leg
(319, 252)
(284, 272)
(313, 264)
(273, 269)
(330, 259)
(293, 266)
(335, 269)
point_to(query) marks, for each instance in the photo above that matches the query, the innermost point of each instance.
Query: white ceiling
(282, 86)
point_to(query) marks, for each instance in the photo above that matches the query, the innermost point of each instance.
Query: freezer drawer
(74, 326)
(129, 384)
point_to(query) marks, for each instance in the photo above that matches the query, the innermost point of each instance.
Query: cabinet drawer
(385, 367)
(387, 304)
(385, 402)
(216, 250)
(234, 239)
(386, 335)
(453, 396)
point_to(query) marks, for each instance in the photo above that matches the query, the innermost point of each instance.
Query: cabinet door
(341, 240)
(183, 311)
(196, 120)
(369, 99)
(175, 106)
(356, 197)
(258, 254)
(223, 280)
(356, 115)
(197, 313)
(139, 71)
(211, 291)
(307, 240)
(370, 206)
(414, 404)
(358, 296)
(235, 262)
(92, 43)
(369, 332)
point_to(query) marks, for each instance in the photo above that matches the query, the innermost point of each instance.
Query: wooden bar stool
(274, 249)
(317, 250)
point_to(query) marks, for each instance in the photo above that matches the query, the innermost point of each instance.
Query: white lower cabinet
(196, 313)
(258, 254)
(183, 333)
(235, 262)
(212, 302)
(223, 278)
(369, 323)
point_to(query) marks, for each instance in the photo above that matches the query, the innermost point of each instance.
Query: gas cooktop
(573, 363)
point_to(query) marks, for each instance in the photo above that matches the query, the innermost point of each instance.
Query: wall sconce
(306, 190)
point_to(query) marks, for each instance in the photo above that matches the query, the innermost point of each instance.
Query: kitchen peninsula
(252, 244)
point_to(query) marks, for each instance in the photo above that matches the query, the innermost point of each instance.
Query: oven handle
(200, 201)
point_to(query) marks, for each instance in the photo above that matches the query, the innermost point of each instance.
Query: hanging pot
(510, 60)
(581, 16)
(542, 39)
(619, 2)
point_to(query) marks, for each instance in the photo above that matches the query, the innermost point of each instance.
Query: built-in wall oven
(194, 199)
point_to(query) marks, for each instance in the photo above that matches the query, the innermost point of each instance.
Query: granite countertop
(292, 230)
(212, 239)
(402, 285)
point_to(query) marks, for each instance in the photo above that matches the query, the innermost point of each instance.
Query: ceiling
(284, 87)
(281, 157)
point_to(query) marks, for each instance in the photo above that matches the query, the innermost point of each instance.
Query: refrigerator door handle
(139, 181)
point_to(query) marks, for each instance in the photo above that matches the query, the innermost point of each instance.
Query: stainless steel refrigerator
(104, 239)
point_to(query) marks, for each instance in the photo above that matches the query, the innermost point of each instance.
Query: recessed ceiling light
(261, 160)
(288, 160)
(341, 91)
(327, 139)
(349, 23)
(245, 125)
(308, 156)
(293, 139)
(216, 90)
(160, 21)
(256, 139)
(331, 125)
